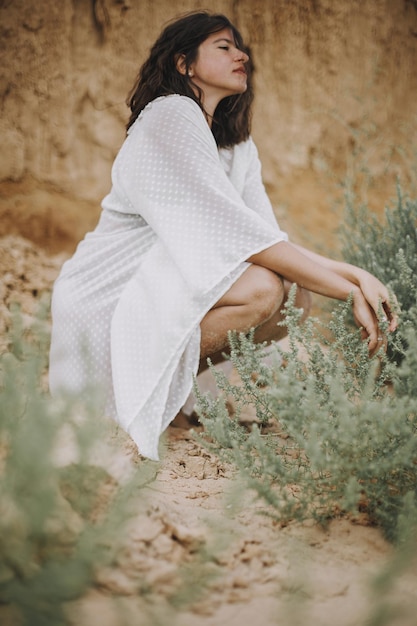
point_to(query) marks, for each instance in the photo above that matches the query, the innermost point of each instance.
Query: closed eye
(224, 47)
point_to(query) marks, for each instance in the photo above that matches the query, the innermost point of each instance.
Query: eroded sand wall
(334, 77)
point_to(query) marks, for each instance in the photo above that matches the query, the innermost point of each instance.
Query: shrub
(53, 537)
(387, 249)
(332, 437)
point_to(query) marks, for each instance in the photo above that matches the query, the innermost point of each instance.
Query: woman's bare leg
(269, 330)
(255, 300)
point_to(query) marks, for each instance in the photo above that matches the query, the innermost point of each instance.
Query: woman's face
(219, 69)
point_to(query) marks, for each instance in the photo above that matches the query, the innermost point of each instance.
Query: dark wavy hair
(159, 76)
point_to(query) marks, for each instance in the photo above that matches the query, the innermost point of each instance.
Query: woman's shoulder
(173, 101)
(172, 107)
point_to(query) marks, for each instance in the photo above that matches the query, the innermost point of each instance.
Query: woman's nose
(241, 56)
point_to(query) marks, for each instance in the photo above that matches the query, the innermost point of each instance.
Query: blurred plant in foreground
(56, 528)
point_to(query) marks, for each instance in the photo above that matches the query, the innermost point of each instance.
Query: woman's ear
(180, 64)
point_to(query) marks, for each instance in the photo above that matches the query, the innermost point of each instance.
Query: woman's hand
(374, 292)
(368, 300)
(366, 319)
(335, 279)
(377, 295)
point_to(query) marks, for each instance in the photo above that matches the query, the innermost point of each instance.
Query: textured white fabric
(173, 236)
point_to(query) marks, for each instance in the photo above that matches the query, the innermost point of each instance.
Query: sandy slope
(258, 572)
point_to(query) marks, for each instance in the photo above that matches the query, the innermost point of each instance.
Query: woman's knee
(267, 292)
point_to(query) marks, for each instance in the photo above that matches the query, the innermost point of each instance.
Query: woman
(187, 246)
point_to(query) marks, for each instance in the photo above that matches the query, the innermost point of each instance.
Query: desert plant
(387, 249)
(332, 437)
(52, 537)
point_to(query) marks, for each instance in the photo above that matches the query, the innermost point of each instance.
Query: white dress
(180, 220)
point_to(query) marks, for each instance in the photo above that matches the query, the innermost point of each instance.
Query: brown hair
(159, 76)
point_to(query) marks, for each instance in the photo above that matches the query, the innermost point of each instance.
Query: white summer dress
(180, 220)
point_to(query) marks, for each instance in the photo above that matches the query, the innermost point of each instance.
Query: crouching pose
(187, 246)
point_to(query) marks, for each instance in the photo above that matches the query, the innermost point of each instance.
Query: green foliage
(387, 249)
(331, 436)
(53, 535)
(386, 608)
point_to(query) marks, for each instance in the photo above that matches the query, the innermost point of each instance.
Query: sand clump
(27, 275)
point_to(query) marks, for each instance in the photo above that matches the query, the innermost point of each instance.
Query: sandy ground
(258, 572)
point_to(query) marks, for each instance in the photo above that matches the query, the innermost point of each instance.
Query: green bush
(53, 536)
(332, 436)
(387, 249)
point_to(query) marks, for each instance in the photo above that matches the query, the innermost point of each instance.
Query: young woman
(187, 246)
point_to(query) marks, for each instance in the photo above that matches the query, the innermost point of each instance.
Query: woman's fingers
(391, 314)
(376, 340)
(365, 318)
(377, 295)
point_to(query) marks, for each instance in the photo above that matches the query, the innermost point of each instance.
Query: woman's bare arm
(374, 291)
(293, 264)
(326, 277)
(347, 270)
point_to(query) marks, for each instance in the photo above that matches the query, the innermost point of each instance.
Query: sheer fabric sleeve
(169, 172)
(254, 194)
